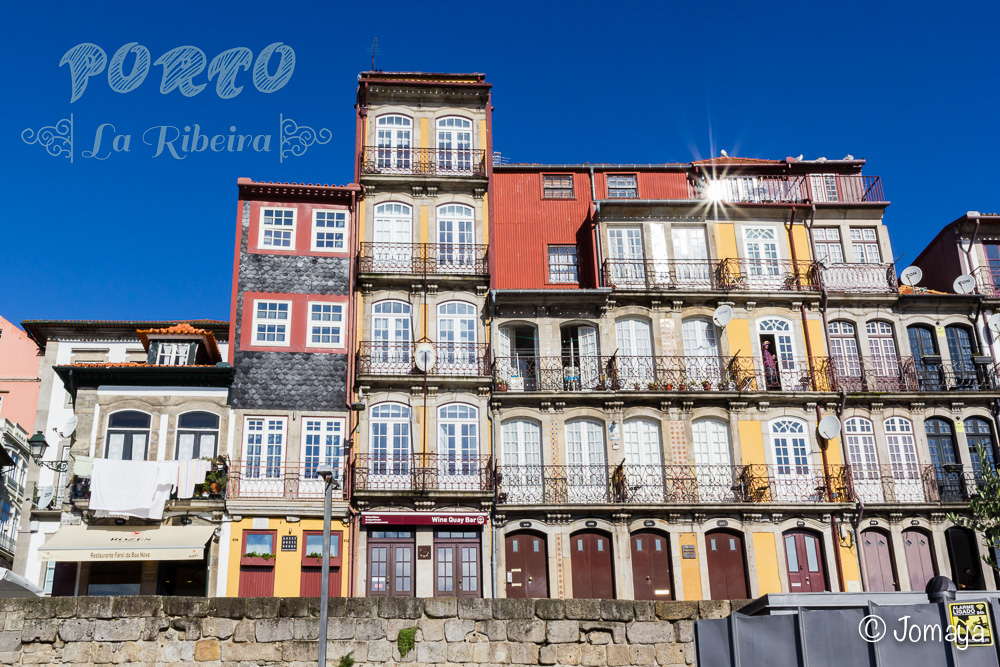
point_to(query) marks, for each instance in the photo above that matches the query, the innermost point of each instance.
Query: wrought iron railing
(442, 259)
(451, 359)
(767, 275)
(913, 483)
(868, 278)
(754, 189)
(654, 274)
(875, 374)
(661, 373)
(987, 280)
(428, 161)
(268, 478)
(423, 472)
(7, 543)
(670, 484)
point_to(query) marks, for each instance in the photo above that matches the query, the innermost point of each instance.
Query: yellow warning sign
(971, 623)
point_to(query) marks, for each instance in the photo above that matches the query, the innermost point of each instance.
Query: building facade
(291, 336)
(423, 470)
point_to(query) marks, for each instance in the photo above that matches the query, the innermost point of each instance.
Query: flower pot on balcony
(706, 385)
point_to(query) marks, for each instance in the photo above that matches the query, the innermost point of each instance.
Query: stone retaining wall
(283, 631)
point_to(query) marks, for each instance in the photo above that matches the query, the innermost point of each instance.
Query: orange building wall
(19, 380)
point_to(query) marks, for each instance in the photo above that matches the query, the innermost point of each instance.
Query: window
(128, 436)
(326, 324)
(585, 454)
(197, 435)
(824, 187)
(329, 231)
(312, 548)
(979, 434)
(458, 446)
(844, 349)
(270, 322)
(864, 241)
(456, 235)
(557, 186)
(454, 145)
(828, 245)
(263, 445)
(324, 444)
(563, 264)
(172, 354)
(389, 446)
(277, 228)
(622, 186)
(393, 139)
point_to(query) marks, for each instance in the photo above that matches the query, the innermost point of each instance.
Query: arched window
(634, 361)
(979, 434)
(128, 436)
(926, 359)
(393, 141)
(391, 337)
(643, 481)
(392, 251)
(586, 458)
(390, 447)
(777, 354)
(907, 485)
(457, 351)
(454, 145)
(702, 360)
(961, 348)
(884, 372)
(863, 457)
(792, 472)
(456, 235)
(197, 435)
(458, 445)
(522, 460)
(844, 350)
(580, 357)
(944, 457)
(517, 358)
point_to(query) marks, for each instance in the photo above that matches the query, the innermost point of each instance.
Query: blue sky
(911, 87)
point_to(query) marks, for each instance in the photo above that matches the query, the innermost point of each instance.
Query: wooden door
(456, 569)
(390, 568)
(651, 566)
(527, 566)
(919, 558)
(593, 572)
(311, 581)
(878, 561)
(727, 575)
(964, 553)
(804, 558)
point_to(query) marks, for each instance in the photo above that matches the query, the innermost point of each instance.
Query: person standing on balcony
(771, 377)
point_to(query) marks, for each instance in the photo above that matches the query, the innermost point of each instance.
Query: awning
(15, 586)
(83, 543)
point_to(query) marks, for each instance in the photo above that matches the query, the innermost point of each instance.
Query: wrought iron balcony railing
(892, 374)
(423, 472)
(660, 373)
(266, 477)
(656, 274)
(767, 275)
(440, 259)
(451, 359)
(423, 161)
(867, 278)
(819, 188)
(987, 280)
(913, 483)
(670, 484)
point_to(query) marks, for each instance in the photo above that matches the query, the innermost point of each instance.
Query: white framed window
(557, 186)
(264, 447)
(277, 228)
(197, 435)
(128, 435)
(329, 231)
(864, 242)
(389, 445)
(828, 245)
(172, 354)
(323, 443)
(454, 144)
(271, 323)
(326, 324)
(564, 264)
(458, 444)
(824, 187)
(622, 186)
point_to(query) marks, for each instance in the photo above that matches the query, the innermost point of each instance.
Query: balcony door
(885, 373)
(713, 460)
(691, 268)
(643, 480)
(517, 362)
(454, 145)
(863, 457)
(926, 359)
(393, 237)
(390, 447)
(522, 461)
(844, 350)
(263, 456)
(978, 433)
(793, 478)
(760, 245)
(456, 236)
(458, 447)
(907, 482)
(626, 255)
(323, 444)
(581, 363)
(587, 463)
(456, 350)
(391, 338)
(944, 457)
(393, 141)
(777, 354)
(961, 349)
(702, 360)
(634, 362)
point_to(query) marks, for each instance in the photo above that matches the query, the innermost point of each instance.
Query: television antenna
(374, 51)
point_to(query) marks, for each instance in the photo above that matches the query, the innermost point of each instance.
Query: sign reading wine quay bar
(422, 519)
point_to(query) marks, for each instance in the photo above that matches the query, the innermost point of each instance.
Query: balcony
(865, 278)
(731, 274)
(659, 374)
(423, 473)
(987, 280)
(464, 360)
(767, 275)
(913, 483)
(903, 374)
(263, 479)
(826, 188)
(423, 259)
(383, 161)
(670, 484)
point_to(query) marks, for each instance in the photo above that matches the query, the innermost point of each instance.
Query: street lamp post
(326, 472)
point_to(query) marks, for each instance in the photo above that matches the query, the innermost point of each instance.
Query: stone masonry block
(495, 630)
(263, 607)
(645, 610)
(191, 627)
(207, 650)
(294, 607)
(650, 632)
(400, 607)
(684, 631)
(583, 609)
(151, 628)
(594, 656)
(243, 632)
(441, 607)
(499, 653)
(617, 610)
(76, 630)
(562, 632)
(617, 655)
(136, 605)
(362, 607)
(340, 628)
(641, 655)
(121, 630)
(432, 652)
(617, 630)
(713, 608)
(431, 629)
(39, 630)
(394, 625)
(569, 654)
(526, 631)
(550, 610)
(508, 608)
(185, 606)
(305, 628)
(51, 608)
(370, 628)
(274, 629)
(10, 641)
(97, 606)
(476, 609)
(379, 651)
(299, 651)
(460, 652)
(251, 652)
(670, 654)
(217, 627)
(227, 607)
(547, 655)
(599, 638)
(524, 653)
(455, 629)
(675, 611)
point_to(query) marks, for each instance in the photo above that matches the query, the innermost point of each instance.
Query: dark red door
(257, 564)
(527, 566)
(727, 575)
(878, 561)
(919, 558)
(804, 557)
(593, 572)
(651, 566)
(390, 563)
(456, 564)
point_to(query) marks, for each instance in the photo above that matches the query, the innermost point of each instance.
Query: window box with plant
(313, 547)
(257, 558)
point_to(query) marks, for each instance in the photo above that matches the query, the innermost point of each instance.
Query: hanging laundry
(131, 488)
(190, 473)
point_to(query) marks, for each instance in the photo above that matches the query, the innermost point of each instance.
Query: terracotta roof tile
(180, 328)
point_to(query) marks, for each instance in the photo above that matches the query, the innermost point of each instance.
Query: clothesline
(141, 488)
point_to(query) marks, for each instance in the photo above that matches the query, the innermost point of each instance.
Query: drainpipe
(494, 434)
(595, 215)
(802, 309)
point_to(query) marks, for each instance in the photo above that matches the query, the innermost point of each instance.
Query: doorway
(390, 563)
(879, 563)
(527, 566)
(919, 558)
(593, 570)
(804, 558)
(727, 574)
(651, 579)
(964, 554)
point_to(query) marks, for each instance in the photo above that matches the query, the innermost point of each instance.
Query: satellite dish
(994, 322)
(45, 497)
(424, 357)
(911, 275)
(722, 316)
(68, 427)
(964, 284)
(829, 427)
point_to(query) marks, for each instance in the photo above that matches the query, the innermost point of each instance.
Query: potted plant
(669, 386)
(256, 558)
(216, 478)
(502, 385)
(706, 385)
